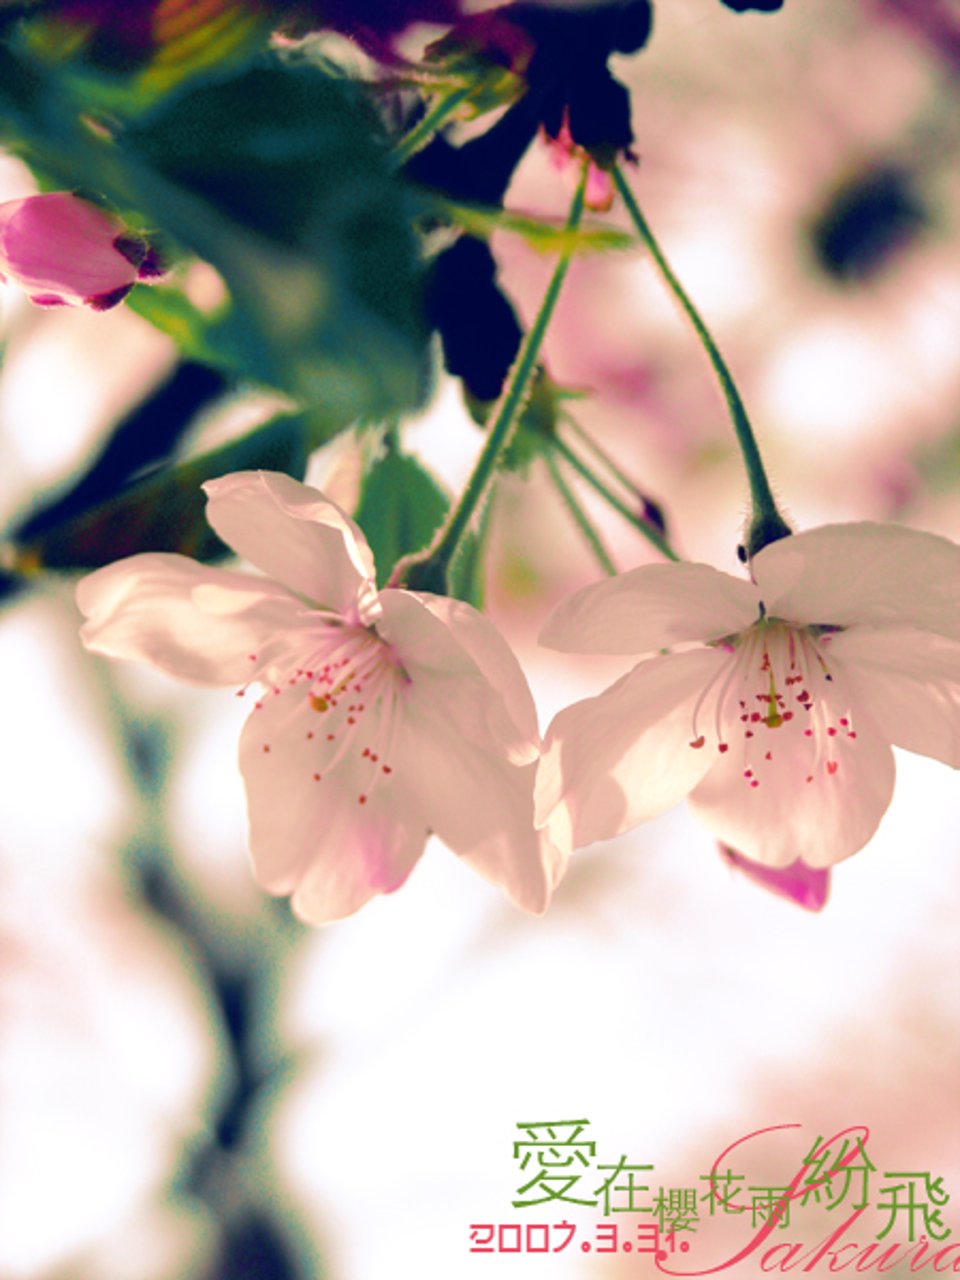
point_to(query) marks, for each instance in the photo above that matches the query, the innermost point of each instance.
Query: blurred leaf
(542, 234)
(938, 462)
(280, 178)
(315, 244)
(165, 512)
(147, 436)
(123, 57)
(477, 324)
(168, 309)
(400, 509)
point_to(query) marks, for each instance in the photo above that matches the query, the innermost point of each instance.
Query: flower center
(350, 684)
(777, 702)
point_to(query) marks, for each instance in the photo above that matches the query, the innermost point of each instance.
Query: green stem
(766, 523)
(649, 531)
(600, 454)
(580, 517)
(421, 133)
(430, 572)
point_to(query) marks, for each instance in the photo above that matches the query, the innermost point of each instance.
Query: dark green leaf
(315, 241)
(280, 177)
(165, 512)
(401, 507)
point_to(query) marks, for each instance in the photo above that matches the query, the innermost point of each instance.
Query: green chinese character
(557, 1156)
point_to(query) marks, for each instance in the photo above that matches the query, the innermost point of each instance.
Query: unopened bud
(65, 251)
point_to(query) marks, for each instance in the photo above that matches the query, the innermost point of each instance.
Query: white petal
(910, 683)
(295, 536)
(477, 802)
(651, 608)
(459, 660)
(204, 625)
(612, 761)
(818, 798)
(312, 836)
(873, 574)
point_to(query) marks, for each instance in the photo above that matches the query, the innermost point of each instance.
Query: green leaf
(165, 511)
(168, 309)
(279, 177)
(315, 241)
(541, 234)
(123, 62)
(400, 509)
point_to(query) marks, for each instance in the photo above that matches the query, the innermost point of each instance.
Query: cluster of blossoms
(381, 717)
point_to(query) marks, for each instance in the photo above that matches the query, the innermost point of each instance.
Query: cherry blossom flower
(382, 717)
(65, 251)
(772, 704)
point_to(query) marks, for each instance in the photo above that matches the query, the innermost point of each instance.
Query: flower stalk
(580, 517)
(649, 531)
(423, 131)
(766, 524)
(429, 571)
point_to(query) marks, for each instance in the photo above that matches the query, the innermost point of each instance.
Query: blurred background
(194, 1085)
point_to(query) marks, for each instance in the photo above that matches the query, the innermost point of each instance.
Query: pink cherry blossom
(380, 717)
(772, 704)
(65, 251)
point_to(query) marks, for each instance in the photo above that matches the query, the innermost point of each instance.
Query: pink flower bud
(568, 158)
(65, 251)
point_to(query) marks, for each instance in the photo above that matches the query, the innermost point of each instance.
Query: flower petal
(477, 802)
(310, 834)
(204, 625)
(818, 796)
(873, 574)
(612, 761)
(808, 887)
(909, 681)
(296, 536)
(650, 608)
(445, 637)
(469, 741)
